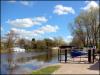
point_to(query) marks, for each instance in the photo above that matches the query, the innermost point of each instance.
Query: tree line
(13, 40)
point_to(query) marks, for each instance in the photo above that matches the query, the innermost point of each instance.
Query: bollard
(65, 56)
(58, 54)
(93, 54)
(89, 56)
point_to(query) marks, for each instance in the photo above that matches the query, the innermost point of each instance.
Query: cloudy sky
(41, 19)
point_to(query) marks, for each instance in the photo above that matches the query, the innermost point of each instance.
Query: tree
(58, 41)
(28, 45)
(24, 43)
(41, 46)
(33, 39)
(86, 27)
(11, 39)
(21, 43)
(33, 43)
(48, 42)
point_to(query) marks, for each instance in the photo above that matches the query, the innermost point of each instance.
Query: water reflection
(44, 57)
(11, 64)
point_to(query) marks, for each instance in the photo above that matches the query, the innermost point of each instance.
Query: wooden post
(65, 56)
(93, 54)
(58, 54)
(89, 56)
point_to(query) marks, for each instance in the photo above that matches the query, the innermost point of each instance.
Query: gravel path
(78, 68)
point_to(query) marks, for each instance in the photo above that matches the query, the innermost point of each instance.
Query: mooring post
(65, 56)
(89, 55)
(58, 54)
(93, 54)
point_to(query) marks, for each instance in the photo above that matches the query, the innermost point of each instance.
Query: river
(25, 63)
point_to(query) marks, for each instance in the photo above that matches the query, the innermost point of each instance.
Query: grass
(47, 70)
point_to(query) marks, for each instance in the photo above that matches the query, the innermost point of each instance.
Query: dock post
(58, 54)
(65, 56)
(93, 54)
(89, 55)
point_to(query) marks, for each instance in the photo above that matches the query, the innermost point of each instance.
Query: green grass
(47, 70)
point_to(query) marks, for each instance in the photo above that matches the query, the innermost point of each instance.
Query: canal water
(25, 63)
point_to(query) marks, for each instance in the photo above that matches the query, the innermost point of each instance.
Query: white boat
(18, 49)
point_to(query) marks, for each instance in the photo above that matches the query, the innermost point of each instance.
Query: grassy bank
(47, 70)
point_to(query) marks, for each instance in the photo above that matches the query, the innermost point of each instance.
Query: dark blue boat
(76, 53)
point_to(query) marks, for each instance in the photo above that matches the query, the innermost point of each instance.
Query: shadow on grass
(95, 66)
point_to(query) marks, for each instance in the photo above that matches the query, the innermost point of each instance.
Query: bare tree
(86, 27)
(21, 43)
(11, 38)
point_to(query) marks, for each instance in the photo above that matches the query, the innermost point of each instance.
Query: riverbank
(70, 68)
(46, 70)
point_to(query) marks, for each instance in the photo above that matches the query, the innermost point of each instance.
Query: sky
(41, 19)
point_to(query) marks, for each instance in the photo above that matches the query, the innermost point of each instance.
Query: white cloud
(51, 38)
(24, 33)
(30, 34)
(90, 4)
(69, 38)
(38, 31)
(40, 19)
(60, 10)
(26, 3)
(47, 28)
(27, 22)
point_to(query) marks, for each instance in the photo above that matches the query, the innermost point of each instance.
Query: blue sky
(41, 19)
